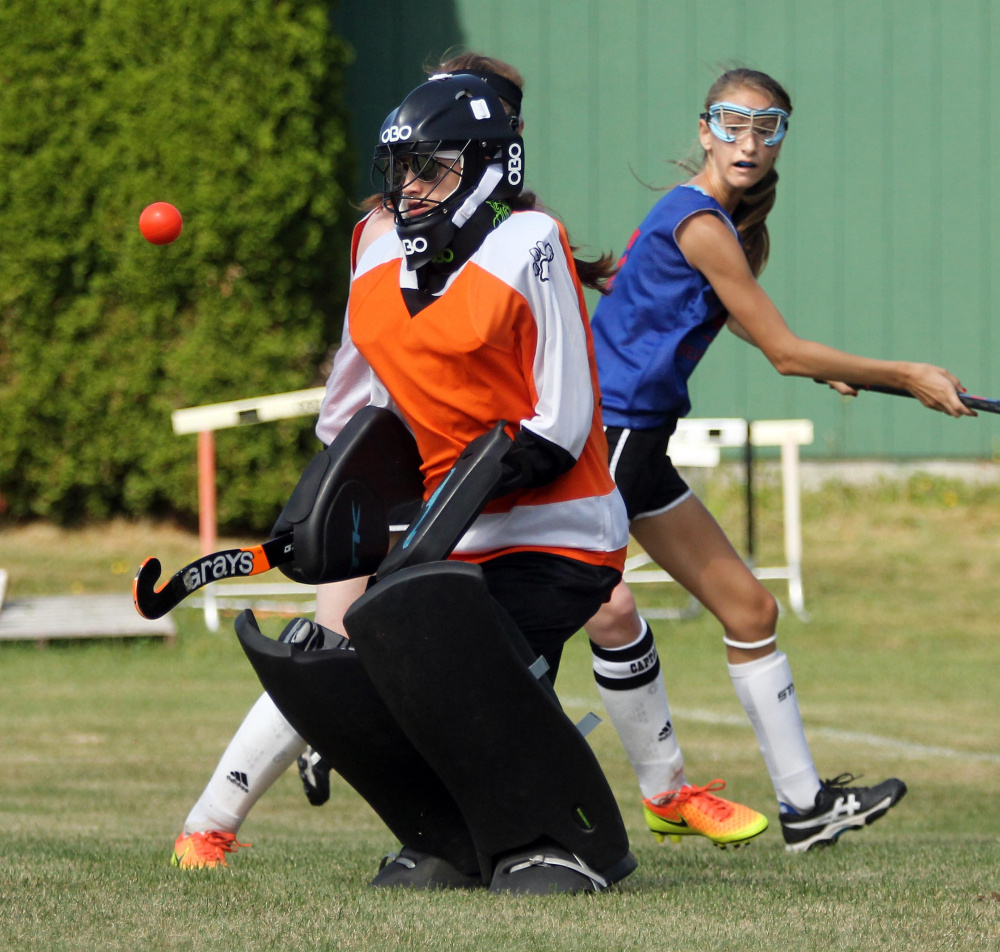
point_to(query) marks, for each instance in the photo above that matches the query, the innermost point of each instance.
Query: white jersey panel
(349, 386)
(592, 524)
(526, 254)
(382, 249)
(347, 389)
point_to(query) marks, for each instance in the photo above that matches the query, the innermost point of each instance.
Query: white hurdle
(204, 421)
(697, 442)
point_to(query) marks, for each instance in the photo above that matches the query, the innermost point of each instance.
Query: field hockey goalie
(436, 710)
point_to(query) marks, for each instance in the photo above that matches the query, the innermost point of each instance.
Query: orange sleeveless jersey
(507, 339)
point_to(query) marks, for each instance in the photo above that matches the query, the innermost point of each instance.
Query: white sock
(766, 691)
(633, 692)
(262, 749)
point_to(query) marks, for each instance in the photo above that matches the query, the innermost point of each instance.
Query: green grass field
(104, 746)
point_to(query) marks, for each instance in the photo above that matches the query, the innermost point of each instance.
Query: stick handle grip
(974, 403)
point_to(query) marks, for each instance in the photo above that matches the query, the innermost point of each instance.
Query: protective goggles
(401, 169)
(730, 122)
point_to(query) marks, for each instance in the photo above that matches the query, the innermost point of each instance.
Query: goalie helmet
(453, 123)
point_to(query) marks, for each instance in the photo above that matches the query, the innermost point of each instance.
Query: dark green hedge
(232, 111)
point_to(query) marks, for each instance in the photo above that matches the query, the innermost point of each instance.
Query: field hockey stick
(152, 602)
(973, 403)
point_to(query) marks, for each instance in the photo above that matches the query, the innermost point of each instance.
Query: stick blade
(149, 602)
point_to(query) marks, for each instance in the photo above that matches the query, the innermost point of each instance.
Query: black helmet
(509, 92)
(459, 119)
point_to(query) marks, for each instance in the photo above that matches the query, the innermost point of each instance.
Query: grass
(104, 746)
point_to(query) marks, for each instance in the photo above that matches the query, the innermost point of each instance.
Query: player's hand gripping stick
(973, 403)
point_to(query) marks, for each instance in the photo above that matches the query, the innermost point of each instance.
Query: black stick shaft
(151, 602)
(973, 403)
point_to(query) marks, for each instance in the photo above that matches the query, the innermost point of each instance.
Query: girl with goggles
(690, 269)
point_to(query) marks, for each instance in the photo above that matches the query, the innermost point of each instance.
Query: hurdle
(697, 442)
(204, 421)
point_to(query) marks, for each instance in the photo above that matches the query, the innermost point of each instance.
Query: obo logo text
(396, 134)
(414, 246)
(514, 164)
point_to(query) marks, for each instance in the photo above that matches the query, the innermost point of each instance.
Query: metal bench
(46, 618)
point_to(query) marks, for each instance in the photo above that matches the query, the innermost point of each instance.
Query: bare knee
(753, 618)
(334, 598)
(617, 622)
(766, 611)
(753, 634)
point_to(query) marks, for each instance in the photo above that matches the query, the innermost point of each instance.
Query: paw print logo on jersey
(541, 256)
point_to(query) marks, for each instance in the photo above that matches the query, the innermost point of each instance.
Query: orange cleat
(695, 811)
(204, 850)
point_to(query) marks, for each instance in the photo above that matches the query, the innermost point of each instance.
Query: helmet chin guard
(448, 114)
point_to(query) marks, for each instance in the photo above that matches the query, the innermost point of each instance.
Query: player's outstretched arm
(712, 248)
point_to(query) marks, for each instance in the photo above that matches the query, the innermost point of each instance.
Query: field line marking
(903, 747)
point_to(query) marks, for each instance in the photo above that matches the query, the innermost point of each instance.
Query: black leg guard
(523, 777)
(330, 701)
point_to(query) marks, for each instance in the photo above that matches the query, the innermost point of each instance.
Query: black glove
(532, 461)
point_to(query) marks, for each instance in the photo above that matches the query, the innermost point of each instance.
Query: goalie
(469, 314)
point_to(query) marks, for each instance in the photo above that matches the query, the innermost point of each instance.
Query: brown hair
(750, 216)
(476, 61)
(593, 274)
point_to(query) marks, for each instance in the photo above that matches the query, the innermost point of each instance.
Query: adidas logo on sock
(668, 729)
(239, 778)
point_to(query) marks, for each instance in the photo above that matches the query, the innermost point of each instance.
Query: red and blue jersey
(657, 322)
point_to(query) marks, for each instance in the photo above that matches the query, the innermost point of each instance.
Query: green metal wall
(883, 239)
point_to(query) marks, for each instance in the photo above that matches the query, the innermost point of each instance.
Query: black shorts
(549, 597)
(639, 464)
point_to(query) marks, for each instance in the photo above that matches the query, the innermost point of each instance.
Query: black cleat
(549, 869)
(839, 808)
(415, 870)
(315, 776)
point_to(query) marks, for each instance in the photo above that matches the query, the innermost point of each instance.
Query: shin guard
(518, 769)
(330, 701)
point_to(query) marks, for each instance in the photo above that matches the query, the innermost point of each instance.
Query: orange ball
(160, 223)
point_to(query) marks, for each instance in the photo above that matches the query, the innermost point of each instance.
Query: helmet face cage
(396, 167)
(729, 122)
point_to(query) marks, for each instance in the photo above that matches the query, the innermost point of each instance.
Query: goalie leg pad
(330, 701)
(514, 763)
